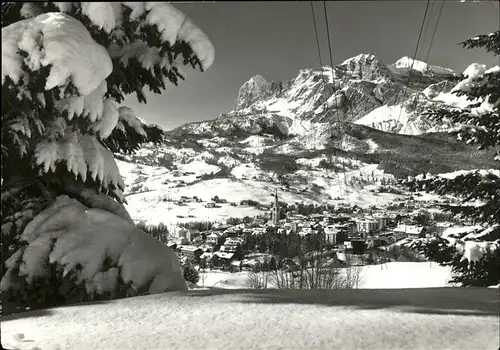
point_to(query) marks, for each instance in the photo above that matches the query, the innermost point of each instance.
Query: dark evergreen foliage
(30, 116)
(190, 273)
(482, 130)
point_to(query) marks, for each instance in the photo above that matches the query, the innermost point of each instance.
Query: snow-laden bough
(72, 235)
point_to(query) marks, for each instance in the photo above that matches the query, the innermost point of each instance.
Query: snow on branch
(83, 155)
(128, 117)
(148, 42)
(99, 247)
(64, 46)
(469, 243)
(130, 132)
(172, 24)
(175, 26)
(59, 41)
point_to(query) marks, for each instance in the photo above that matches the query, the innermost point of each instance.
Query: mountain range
(360, 119)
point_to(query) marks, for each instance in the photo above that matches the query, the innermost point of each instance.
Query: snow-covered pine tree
(473, 256)
(65, 68)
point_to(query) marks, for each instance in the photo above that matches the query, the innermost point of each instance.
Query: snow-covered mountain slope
(406, 117)
(181, 192)
(405, 63)
(174, 182)
(317, 101)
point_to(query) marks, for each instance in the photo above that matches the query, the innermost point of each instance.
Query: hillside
(158, 176)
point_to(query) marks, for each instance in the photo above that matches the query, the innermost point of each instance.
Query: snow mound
(474, 70)
(59, 41)
(256, 141)
(71, 235)
(63, 44)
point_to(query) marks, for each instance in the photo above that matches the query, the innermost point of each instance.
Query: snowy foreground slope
(435, 318)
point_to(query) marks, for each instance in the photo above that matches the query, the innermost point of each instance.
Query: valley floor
(390, 275)
(437, 318)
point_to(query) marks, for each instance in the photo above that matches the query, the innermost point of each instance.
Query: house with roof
(375, 242)
(366, 226)
(408, 231)
(291, 226)
(382, 220)
(191, 252)
(258, 230)
(231, 244)
(222, 259)
(331, 233)
(216, 238)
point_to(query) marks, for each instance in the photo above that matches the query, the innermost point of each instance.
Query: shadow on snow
(445, 301)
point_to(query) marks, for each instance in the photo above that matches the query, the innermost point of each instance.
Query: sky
(277, 39)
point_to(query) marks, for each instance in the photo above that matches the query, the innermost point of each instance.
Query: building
(231, 244)
(438, 215)
(192, 252)
(182, 233)
(258, 230)
(334, 235)
(291, 226)
(350, 226)
(381, 220)
(335, 219)
(356, 246)
(215, 238)
(275, 211)
(191, 235)
(366, 226)
(374, 242)
(410, 231)
(222, 259)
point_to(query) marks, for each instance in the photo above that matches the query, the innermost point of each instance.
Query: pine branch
(483, 130)
(484, 86)
(490, 42)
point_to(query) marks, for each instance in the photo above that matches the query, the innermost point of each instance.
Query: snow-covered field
(391, 275)
(434, 318)
(152, 191)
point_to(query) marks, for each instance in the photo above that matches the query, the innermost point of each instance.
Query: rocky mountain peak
(365, 66)
(249, 92)
(362, 90)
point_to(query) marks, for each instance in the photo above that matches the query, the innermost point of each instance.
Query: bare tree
(353, 278)
(258, 280)
(315, 270)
